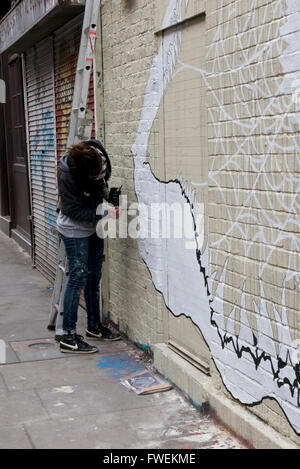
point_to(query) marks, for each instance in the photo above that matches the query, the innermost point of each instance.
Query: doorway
(17, 154)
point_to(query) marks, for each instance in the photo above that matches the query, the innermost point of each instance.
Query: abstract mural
(254, 342)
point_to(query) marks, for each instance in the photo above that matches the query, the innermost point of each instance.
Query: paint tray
(144, 382)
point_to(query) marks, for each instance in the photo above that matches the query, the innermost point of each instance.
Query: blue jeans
(84, 257)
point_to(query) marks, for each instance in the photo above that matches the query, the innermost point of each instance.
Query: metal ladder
(80, 128)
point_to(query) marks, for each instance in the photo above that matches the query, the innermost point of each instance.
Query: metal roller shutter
(42, 147)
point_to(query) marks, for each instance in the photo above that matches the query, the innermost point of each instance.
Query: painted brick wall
(254, 167)
(129, 46)
(250, 224)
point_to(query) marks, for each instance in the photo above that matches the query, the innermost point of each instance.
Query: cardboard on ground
(144, 382)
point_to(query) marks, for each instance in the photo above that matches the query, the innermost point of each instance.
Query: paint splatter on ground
(118, 366)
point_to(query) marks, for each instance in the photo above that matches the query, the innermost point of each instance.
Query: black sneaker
(74, 343)
(101, 333)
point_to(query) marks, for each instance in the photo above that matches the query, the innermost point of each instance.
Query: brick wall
(253, 151)
(249, 166)
(129, 46)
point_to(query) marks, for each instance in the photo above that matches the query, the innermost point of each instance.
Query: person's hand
(114, 212)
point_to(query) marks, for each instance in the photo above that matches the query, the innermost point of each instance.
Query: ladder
(80, 128)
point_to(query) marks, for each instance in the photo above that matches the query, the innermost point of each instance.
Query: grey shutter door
(42, 147)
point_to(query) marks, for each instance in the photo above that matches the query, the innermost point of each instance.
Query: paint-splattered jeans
(85, 266)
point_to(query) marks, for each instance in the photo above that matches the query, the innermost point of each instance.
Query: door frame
(4, 195)
(20, 235)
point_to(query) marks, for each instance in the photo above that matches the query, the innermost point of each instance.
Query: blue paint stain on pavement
(118, 366)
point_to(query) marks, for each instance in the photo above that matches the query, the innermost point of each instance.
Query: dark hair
(84, 160)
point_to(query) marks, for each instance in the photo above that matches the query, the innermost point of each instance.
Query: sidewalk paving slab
(36, 349)
(19, 407)
(3, 387)
(102, 397)
(66, 371)
(25, 329)
(14, 437)
(174, 425)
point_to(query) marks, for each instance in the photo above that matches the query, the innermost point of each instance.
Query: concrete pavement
(52, 400)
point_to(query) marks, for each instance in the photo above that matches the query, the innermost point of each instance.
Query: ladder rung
(86, 68)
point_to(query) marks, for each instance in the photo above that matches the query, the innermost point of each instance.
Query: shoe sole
(78, 351)
(103, 339)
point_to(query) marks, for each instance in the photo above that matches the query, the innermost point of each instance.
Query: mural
(252, 341)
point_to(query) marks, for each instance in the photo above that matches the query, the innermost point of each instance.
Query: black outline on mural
(260, 355)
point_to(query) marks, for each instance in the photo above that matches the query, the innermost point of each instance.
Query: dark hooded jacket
(78, 197)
